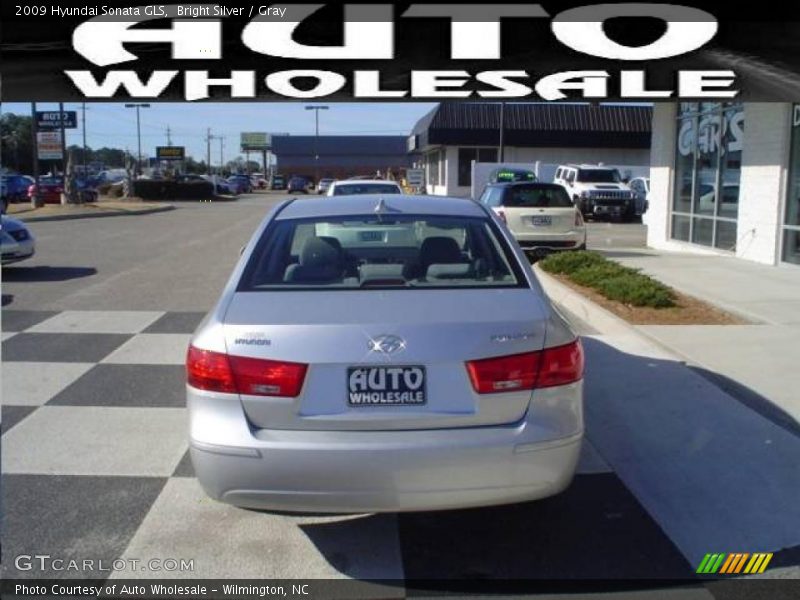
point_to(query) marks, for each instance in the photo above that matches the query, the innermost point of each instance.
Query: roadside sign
(415, 177)
(170, 152)
(48, 144)
(51, 119)
(255, 141)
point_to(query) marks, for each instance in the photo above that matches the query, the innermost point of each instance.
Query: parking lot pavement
(607, 235)
(95, 461)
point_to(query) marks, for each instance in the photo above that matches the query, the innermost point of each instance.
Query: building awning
(531, 125)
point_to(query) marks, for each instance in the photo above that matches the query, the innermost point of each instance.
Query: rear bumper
(379, 471)
(550, 242)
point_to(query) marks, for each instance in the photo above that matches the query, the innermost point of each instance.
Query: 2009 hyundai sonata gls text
(375, 354)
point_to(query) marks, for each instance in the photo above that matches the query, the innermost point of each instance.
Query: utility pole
(169, 138)
(63, 141)
(137, 106)
(316, 108)
(208, 151)
(83, 125)
(221, 139)
(35, 198)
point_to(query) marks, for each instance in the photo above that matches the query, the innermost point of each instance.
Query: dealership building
(725, 179)
(450, 137)
(339, 156)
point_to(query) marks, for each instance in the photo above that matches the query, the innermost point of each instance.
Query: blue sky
(113, 125)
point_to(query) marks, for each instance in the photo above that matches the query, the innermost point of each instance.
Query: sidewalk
(58, 212)
(756, 363)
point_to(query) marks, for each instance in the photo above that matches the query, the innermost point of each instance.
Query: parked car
(257, 181)
(511, 174)
(324, 184)
(240, 184)
(14, 188)
(598, 191)
(16, 241)
(221, 186)
(381, 354)
(540, 216)
(297, 184)
(641, 187)
(277, 182)
(51, 188)
(348, 187)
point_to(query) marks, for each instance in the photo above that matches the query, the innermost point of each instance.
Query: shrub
(163, 189)
(613, 280)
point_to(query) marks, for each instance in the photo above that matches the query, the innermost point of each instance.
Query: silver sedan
(374, 354)
(16, 241)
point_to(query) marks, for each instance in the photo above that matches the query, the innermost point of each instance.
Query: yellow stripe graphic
(740, 564)
(754, 560)
(765, 563)
(727, 563)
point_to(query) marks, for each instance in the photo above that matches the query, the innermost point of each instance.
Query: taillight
(504, 373)
(211, 371)
(561, 365)
(548, 368)
(217, 372)
(578, 219)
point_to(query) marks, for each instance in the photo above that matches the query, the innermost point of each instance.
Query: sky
(113, 125)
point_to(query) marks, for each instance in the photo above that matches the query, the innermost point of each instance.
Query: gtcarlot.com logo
(734, 563)
(47, 562)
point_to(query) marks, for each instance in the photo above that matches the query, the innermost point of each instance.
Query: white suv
(599, 191)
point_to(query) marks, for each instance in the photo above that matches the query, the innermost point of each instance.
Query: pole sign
(170, 152)
(255, 141)
(48, 144)
(52, 119)
(415, 177)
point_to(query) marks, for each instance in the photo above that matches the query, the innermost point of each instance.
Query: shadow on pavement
(7, 298)
(31, 274)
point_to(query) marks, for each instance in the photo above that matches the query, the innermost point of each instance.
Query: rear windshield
(344, 189)
(598, 176)
(381, 252)
(537, 196)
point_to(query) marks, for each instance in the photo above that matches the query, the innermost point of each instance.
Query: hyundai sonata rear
(367, 356)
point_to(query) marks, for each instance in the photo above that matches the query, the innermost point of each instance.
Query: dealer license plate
(386, 386)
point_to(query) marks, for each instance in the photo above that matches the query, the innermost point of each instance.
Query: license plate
(371, 236)
(386, 386)
(541, 221)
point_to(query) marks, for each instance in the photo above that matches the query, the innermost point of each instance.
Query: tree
(112, 158)
(16, 145)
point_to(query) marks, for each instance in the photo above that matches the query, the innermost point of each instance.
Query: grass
(611, 279)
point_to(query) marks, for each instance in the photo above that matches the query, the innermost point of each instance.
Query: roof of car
(366, 181)
(524, 183)
(361, 204)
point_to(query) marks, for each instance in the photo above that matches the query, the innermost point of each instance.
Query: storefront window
(465, 158)
(791, 222)
(708, 163)
(433, 165)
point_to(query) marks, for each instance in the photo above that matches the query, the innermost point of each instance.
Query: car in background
(324, 184)
(16, 241)
(240, 184)
(277, 182)
(221, 186)
(349, 187)
(51, 187)
(257, 181)
(14, 188)
(598, 191)
(541, 216)
(641, 187)
(382, 354)
(298, 184)
(511, 174)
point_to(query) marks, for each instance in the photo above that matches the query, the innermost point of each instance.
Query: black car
(504, 174)
(277, 182)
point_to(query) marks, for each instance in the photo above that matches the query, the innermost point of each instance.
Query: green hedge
(161, 189)
(610, 278)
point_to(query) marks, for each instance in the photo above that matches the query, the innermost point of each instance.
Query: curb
(604, 321)
(101, 215)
